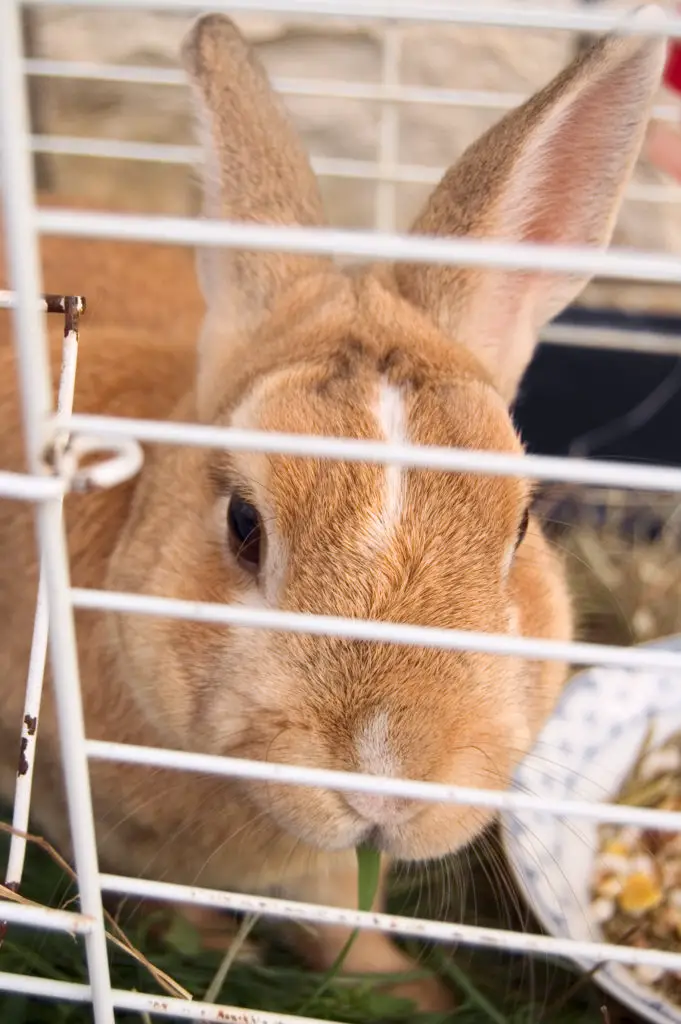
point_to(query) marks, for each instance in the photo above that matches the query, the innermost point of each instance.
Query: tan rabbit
(428, 355)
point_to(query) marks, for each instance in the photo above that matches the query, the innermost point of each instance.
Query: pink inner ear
(554, 196)
(566, 186)
(551, 172)
(499, 325)
(563, 189)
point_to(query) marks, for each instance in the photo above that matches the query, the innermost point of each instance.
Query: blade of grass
(368, 874)
(33, 959)
(447, 967)
(215, 987)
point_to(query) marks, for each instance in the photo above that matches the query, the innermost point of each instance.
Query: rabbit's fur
(425, 354)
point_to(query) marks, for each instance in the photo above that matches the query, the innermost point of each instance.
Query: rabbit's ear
(255, 168)
(551, 171)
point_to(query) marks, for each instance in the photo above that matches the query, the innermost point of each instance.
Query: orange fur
(292, 344)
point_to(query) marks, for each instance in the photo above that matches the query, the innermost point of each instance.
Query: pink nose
(382, 810)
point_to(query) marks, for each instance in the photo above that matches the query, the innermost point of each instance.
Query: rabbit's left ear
(551, 171)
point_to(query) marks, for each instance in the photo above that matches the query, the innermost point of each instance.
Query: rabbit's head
(430, 355)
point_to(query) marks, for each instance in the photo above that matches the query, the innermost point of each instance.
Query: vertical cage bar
(389, 138)
(66, 680)
(36, 668)
(35, 387)
(36, 92)
(21, 240)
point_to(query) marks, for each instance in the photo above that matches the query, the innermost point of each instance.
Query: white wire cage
(44, 426)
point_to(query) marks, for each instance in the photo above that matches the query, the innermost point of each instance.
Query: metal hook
(125, 462)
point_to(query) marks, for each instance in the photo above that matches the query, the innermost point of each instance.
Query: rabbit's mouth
(399, 844)
(413, 836)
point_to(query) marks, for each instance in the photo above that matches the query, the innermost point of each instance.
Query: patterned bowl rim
(642, 1000)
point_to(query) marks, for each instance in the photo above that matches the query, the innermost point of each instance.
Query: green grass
(495, 988)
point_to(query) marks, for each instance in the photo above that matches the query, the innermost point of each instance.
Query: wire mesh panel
(84, 452)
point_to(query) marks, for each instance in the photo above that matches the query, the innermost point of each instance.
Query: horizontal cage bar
(430, 792)
(412, 927)
(51, 919)
(615, 264)
(460, 12)
(323, 88)
(401, 634)
(143, 1003)
(26, 487)
(533, 467)
(329, 167)
(631, 339)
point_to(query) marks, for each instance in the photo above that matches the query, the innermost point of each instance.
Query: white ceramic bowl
(584, 753)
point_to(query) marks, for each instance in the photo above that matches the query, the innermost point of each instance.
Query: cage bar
(454, 12)
(142, 1003)
(408, 927)
(389, 130)
(328, 167)
(35, 390)
(30, 915)
(182, 760)
(36, 670)
(600, 472)
(615, 264)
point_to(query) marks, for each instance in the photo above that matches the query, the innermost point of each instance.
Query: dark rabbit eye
(524, 523)
(245, 532)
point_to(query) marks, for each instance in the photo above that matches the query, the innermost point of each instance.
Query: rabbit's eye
(243, 523)
(524, 523)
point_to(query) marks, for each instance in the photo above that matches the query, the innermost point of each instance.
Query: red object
(672, 71)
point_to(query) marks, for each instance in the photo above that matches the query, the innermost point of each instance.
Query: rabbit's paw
(429, 995)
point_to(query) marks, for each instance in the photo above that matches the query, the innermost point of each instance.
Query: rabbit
(409, 352)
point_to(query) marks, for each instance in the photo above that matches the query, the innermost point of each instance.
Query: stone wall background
(449, 56)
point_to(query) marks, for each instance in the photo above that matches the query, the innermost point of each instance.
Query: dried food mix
(636, 887)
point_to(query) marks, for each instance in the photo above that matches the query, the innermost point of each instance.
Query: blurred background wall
(510, 62)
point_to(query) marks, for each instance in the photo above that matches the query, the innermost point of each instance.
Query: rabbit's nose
(382, 810)
(376, 753)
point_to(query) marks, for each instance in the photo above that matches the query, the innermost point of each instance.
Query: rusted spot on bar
(61, 303)
(74, 306)
(23, 763)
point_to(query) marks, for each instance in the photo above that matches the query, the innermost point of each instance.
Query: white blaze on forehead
(374, 752)
(390, 414)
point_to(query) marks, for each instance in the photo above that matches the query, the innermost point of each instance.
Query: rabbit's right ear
(553, 172)
(255, 168)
